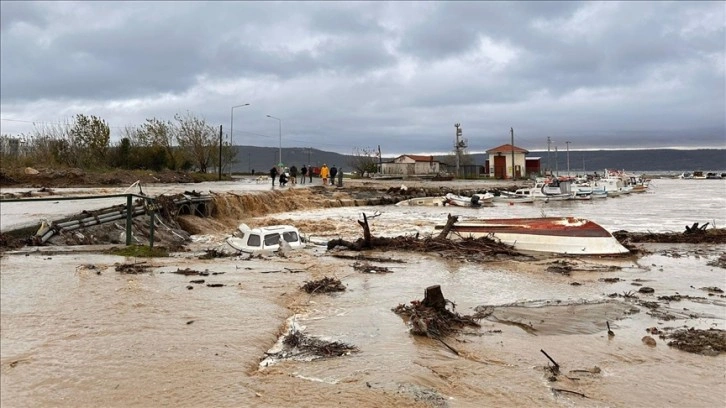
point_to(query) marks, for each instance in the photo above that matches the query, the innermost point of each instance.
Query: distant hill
(262, 158)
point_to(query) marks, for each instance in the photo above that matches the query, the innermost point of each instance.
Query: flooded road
(74, 332)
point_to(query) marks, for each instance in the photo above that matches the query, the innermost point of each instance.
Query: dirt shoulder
(74, 177)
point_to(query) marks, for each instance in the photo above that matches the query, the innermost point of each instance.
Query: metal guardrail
(128, 212)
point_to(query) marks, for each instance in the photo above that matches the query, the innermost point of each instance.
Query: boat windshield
(290, 236)
(253, 240)
(272, 239)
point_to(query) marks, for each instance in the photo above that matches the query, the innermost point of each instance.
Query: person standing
(293, 175)
(310, 172)
(333, 173)
(324, 174)
(273, 175)
(303, 173)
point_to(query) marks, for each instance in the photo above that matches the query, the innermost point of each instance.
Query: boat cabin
(264, 238)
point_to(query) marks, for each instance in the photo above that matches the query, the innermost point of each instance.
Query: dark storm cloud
(345, 74)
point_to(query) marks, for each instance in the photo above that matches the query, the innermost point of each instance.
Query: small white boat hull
(424, 201)
(477, 200)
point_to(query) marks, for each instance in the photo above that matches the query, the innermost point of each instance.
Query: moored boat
(562, 235)
(476, 200)
(424, 201)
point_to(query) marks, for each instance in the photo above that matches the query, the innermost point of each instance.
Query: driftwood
(361, 257)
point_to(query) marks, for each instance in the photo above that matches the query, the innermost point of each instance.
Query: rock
(31, 171)
(646, 289)
(648, 341)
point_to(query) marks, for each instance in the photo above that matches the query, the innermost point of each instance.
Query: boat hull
(424, 202)
(566, 235)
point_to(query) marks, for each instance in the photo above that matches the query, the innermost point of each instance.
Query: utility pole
(458, 145)
(220, 153)
(514, 173)
(568, 158)
(549, 167)
(380, 160)
(309, 149)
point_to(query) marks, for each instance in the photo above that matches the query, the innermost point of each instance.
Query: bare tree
(197, 138)
(364, 160)
(155, 133)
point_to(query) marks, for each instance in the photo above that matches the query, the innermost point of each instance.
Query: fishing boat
(439, 201)
(268, 239)
(476, 200)
(561, 235)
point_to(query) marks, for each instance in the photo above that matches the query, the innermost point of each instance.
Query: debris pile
(692, 235)
(302, 343)
(324, 285)
(365, 267)
(133, 268)
(711, 342)
(473, 249)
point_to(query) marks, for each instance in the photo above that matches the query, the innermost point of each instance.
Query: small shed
(411, 164)
(500, 161)
(533, 165)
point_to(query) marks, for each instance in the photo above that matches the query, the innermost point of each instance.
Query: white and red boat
(561, 235)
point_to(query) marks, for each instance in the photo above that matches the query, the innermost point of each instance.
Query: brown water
(72, 337)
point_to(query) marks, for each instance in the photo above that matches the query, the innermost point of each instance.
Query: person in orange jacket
(324, 174)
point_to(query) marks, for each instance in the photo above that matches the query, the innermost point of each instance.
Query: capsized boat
(476, 200)
(561, 235)
(253, 240)
(424, 201)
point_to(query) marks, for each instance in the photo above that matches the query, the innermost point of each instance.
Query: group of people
(284, 176)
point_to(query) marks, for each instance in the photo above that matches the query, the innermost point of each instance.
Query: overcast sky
(342, 75)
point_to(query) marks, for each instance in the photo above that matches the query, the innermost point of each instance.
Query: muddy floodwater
(74, 332)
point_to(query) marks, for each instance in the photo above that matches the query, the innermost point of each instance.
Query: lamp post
(568, 158)
(280, 133)
(231, 135)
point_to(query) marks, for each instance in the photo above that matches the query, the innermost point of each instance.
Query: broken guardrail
(148, 205)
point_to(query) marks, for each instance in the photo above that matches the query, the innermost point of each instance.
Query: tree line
(186, 143)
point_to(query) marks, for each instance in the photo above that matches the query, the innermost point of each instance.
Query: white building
(410, 165)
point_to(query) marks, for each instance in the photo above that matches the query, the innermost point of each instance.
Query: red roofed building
(500, 161)
(411, 164)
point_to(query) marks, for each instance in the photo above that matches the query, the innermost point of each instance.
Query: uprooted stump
(431, 318)
(324, 285)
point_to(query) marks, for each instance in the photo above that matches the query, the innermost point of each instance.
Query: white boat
(513, 198)
(252, 240)
(476, 200)
(582, 195)
(424, 201)
(561, 235)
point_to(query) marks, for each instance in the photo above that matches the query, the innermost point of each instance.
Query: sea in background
(75, 332)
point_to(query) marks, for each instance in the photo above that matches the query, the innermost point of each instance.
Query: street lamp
(231, 135)
(280, 133)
